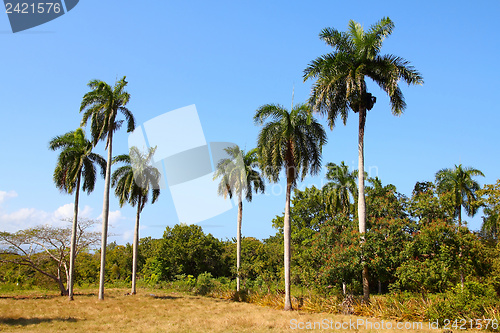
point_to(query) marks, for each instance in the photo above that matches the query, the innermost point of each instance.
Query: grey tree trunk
(105, 215)
(286, 236)
(135, 250)
(361, 198)
(238, 243)
(72, 253)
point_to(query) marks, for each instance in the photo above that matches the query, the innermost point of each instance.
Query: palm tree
(101, 105)
(291, 141)
(340, 188)
(238, 177)
(132, 183)
(459, 182)
(340, 85)
(76, 161)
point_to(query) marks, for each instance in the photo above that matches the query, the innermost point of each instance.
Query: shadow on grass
(164, 297)
(34, 321)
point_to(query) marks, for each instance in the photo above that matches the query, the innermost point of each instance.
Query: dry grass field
(160, 311)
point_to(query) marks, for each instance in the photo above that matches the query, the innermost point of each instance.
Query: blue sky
(228, 58)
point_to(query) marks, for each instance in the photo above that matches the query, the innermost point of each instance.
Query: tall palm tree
(101, 105)
(341, 85)
(239, 177)
(340, 188)
(291, 141)
(459, 182)
(76, 161)
(133, 182)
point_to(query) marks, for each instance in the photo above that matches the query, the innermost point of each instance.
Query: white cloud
(30, 217)
(6, 195)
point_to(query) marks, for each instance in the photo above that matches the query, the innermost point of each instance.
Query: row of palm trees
(76, 163)
(293, 140)
(289, 140)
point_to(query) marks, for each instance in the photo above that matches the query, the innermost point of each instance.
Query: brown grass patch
(152, 311)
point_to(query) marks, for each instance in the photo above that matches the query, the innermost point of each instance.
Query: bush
(204, 284)
(469, 302)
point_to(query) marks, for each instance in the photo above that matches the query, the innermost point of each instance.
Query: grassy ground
(162, 311)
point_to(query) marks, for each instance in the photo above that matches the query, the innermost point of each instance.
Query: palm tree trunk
(361, 198)
(105, 215)
(286, 235)
(135, 249)
(238, 243)
(73, 240)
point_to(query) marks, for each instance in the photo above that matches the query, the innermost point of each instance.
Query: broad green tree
(291, 141)
(75, 162)
(460, 183)
(341, 85)
(101, 106)
(238, 176)
(133, 183)
(490, 198)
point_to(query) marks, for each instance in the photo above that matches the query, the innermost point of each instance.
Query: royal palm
(76, 162)
(133, 182)
(101, 106)
(239, 177)
(341, 86)
(463, 187)
(291, 141)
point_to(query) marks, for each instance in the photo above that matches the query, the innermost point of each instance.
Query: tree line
(360, 226)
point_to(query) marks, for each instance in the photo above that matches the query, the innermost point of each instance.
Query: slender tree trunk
(73, 240)
(361, 199)
(287, 236)
(135, 250)
(238, 243)
(105, 215)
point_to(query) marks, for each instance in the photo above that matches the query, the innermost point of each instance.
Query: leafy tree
(33, 247)
(187, 250)
(291, 141)
(459, 182)
(239, 177)
(340, 85)
(490, 198)
(76, 161)
(101, 105)
(133, 182)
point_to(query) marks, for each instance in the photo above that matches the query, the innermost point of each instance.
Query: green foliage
(490, 198)
(204, 284)
(468, 302)
(187, 250)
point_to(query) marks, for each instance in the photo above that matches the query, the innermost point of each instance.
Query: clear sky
(228, 58)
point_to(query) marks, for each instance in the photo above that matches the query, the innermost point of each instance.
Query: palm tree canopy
(76, 156)
(101, 106)
(340, 75)
(136, 178)
(341, 187)
(291, 140)
(459, 182)
(238, 174)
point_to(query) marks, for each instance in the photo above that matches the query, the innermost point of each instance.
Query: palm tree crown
(136, 178)
(290, 140)
(340, 188)
(76, 158)
(459, 182)
(238, 174)
(101, 106)
(340, 75)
